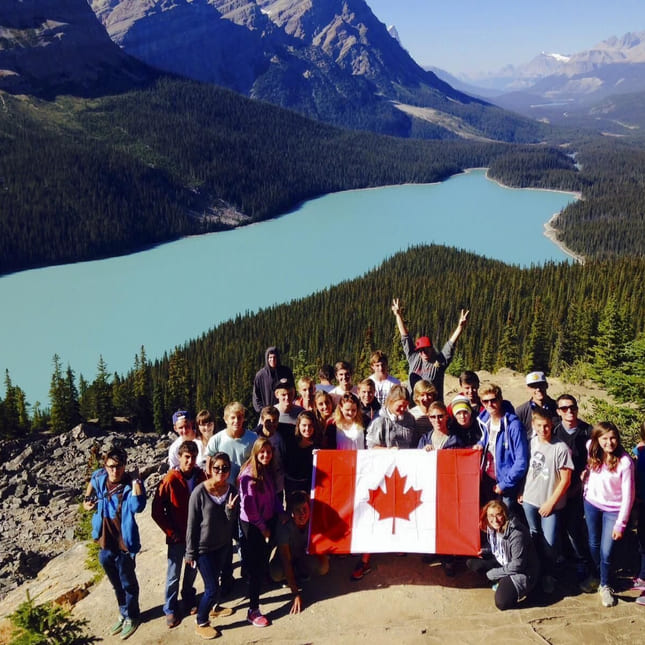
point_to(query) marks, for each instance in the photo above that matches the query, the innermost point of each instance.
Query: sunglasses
(566, 408)
(489, 401)
(221, 469)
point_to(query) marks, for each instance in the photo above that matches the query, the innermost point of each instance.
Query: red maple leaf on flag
(395, 501)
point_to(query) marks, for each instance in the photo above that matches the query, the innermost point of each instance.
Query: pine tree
(363, 367)
(536, 350)
(57, 414)
(103, 407)
(613, 335)
(508, 350)
(70, 398)
(142, 391)
(178, 382)
(85, 403)
(159, 409)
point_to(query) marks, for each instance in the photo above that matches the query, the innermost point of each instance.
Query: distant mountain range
(569, 88)
(331, 60)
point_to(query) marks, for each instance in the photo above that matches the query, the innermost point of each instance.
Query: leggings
(255, 554)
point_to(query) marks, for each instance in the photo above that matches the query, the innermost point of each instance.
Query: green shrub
(48, 624)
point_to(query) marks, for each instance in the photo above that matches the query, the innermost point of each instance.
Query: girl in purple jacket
(260, 508)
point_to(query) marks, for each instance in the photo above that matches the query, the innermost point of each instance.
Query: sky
(474, 36)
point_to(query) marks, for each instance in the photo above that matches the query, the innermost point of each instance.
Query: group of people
(546, 477)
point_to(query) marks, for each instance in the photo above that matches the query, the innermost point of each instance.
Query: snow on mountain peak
(561, 58)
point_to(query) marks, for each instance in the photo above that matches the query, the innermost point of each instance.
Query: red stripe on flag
(458, 502)
(333, 505)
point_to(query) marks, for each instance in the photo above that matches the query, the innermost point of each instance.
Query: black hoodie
(266, 377)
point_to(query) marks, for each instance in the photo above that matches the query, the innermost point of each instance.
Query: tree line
(87, 178)
(552, 317)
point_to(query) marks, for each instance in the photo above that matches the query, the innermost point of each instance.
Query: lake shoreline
(550, 228)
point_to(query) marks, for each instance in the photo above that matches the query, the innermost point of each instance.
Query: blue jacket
(511, 450)
(108, 506)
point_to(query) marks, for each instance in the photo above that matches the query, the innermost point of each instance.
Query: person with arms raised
(424, 362)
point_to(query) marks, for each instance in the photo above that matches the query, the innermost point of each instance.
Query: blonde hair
(234, 406)
(420, 387)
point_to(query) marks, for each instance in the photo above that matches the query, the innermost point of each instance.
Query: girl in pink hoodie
(608, 499)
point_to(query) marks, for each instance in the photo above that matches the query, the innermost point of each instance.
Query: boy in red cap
(423, 359)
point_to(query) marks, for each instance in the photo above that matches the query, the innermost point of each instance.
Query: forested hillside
(610, 218)
(550, 317)
(82, 179)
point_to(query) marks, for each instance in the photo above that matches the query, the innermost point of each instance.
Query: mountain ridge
(332, 60)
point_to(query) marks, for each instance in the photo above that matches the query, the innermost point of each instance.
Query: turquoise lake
(112, 307)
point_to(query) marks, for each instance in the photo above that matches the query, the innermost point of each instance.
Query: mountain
(562, 88)
(48, 48)
(332, 60)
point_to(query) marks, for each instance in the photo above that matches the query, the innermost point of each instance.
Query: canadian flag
(391, 501)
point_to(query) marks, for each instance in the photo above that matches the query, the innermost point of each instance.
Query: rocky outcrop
(41, 484)
(47, 48)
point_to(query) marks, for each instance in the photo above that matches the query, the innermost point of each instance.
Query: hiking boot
(171, 621)
(206, 632)
(220, 612)
(129, 627)
(256, 618)
(117, 627)
(360, 570)
(606, 596)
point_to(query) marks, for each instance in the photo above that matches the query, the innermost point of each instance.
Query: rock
(39, 510)
(58, 579)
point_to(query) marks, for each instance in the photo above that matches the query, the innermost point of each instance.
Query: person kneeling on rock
(117, 496)
(291, 562)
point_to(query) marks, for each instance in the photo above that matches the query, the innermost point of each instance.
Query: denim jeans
(119, 568)
(210, 568)
(600, 525)
(544, 531)
(573, 526)
(176, 554)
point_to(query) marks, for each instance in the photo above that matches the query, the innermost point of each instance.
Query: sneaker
(129, 627)
(206, 632)
(118, 626)
(589, 585)
(641, 600)
(220, 612)
(257, 619)
(548, 584)
(638, 584)
(360, 570)
(606, 596)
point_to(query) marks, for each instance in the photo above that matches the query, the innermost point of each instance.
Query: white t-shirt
(352, 439)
